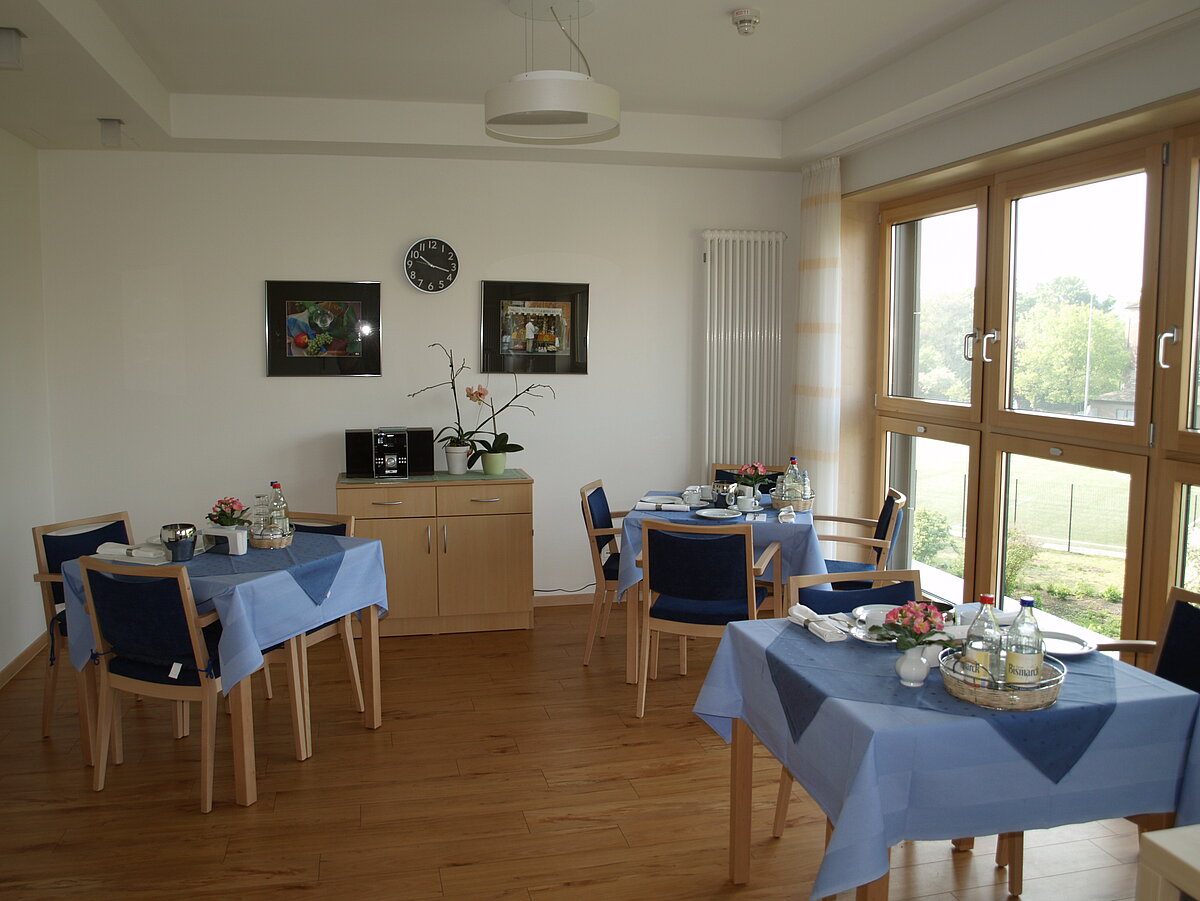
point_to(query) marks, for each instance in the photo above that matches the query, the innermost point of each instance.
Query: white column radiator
(743, 407)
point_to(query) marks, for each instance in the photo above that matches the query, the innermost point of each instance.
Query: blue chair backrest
(61, 548)
(142, 618)
(698, 567)
(331, 528)
(899, 514)
(601, 514)
(825, 602)
(1177, 660)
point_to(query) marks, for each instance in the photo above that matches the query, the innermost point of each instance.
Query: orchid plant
(500, 443)
(228, 512)
(453, 435)
(912, 625)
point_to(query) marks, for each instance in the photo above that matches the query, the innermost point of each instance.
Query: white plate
(1061, 644)
(861, 612)
(661, 499)
(860, 632)
(718, 513)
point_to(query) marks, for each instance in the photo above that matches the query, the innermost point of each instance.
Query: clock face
(431, 265)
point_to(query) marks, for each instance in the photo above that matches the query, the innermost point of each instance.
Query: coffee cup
(873, 618)
(691, 495)
(706, 493)
(747, 504)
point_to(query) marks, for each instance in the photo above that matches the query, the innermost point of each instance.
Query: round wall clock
(431, 265)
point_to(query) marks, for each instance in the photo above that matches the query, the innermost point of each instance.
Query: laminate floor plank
(503, 770)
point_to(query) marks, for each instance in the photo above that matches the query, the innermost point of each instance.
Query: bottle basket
(800, 505)
(995, 695)
(276, 541)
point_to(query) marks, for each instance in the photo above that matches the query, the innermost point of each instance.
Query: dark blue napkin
(312, 560)
(806, 671)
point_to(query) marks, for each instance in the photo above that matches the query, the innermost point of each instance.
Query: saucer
(718, 513)
(757, 508)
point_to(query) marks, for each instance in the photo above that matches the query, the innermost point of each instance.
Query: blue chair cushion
(824, 602)
(612, 566)
(711, 613)
(157, 671)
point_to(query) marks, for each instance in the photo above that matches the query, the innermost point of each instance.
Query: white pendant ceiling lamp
(552, 106)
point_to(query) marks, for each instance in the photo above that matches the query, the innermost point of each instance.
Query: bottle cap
(1027, 601)
(987, 599)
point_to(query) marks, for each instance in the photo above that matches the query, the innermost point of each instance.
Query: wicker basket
(800, 506)
(260, 541)
(1000, 695)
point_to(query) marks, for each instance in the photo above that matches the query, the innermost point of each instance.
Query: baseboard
(22, 660)
(561, 600)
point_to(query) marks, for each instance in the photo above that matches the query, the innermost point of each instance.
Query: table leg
(372, 706)
(741, 788)
(633, 623)
(85, 693)
(245, 775)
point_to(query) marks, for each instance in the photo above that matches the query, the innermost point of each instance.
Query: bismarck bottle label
(1023, 669)
(975, 663)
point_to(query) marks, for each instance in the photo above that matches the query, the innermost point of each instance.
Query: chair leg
(1010, 852)
(182, 720)
(347, 630)
(594, 622)
(644, 651)
(683, 655)
(655, 640)
(266, 670)
(49, 687)
(104, 723)
(85, 693)
(782, 800)
(118, 732)
(610, 595)
(298, 699)
(208, 742)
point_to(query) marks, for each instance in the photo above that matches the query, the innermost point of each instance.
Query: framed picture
(534, 327)
(323, 328)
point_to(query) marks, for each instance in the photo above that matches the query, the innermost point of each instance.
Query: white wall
(26, 488)
(154, 268)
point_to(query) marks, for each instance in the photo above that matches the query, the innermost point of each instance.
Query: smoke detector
(745, 20)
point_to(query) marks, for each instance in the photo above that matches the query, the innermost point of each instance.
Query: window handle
(993, 335)
(969, 340)
(1171, 335)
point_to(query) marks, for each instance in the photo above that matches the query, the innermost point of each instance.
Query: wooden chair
(876, 546)
(1175, 660)
(54, 545)
(293, 654)
(698, 579)
(152, 643)
(885, 587)
(605, 548)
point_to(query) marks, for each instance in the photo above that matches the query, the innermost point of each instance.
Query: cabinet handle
(445, 540)
(386, 503)
(429, 539)
(485, 500)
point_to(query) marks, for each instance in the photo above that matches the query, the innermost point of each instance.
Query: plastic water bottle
(1023, 648)
(807, 495)
(981, 651)
(790, 486)
(279, 509)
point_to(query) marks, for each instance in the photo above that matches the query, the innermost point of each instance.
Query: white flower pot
(456, 460)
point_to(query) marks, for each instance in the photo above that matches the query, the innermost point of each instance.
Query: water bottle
(807, 495)
(981, 655)
(279, 509)
(790, 486)
(1023, 648)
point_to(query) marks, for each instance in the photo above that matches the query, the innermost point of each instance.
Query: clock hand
(433, 265)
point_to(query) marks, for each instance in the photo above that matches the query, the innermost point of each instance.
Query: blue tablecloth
(259, 603)
(799, 548)
(885, 773)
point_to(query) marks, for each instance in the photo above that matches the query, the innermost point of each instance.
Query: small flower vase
(912, 668)
(456, 460)
(495, 464)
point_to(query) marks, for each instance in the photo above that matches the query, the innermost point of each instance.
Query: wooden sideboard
(458, 549)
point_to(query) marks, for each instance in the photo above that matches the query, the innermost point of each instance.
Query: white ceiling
(408, 78)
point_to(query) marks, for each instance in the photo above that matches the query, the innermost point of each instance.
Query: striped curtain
(817, 388)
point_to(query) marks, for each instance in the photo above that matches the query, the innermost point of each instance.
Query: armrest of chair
(773, 552)
(852, 520)
(206, 619)
(605, 532)
(47, 577)
(618, 514)
(1130, 646)
(764, 559)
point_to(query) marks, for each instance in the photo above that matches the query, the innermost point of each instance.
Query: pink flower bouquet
(228, 512)
(911, 625)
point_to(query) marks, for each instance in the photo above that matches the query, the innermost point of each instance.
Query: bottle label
(1023, 669)
(975, 662)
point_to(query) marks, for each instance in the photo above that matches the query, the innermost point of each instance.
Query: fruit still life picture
(324, 328)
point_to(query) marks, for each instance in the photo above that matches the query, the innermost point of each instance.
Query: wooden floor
(503, 769)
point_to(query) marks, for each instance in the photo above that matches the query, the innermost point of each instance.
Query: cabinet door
(485, 564)
(409, 556)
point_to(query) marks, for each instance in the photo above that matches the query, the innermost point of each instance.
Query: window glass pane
(933, 297)
(1064, 540)
(1076, 298)
(1189, 539)
(934, 476)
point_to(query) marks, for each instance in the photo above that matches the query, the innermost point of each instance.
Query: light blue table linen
(884, 774)
(799, 548)
(257, 609)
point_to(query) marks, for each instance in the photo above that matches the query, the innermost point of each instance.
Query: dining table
(800, 553)
(887, 763)
(264, 598)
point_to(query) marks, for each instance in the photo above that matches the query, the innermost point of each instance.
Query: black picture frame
(346, 323)
(534, 327)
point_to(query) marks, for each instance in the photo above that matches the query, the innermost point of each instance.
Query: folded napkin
(787, 514)
(642, 505)
(113, 549)
(820, 626)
